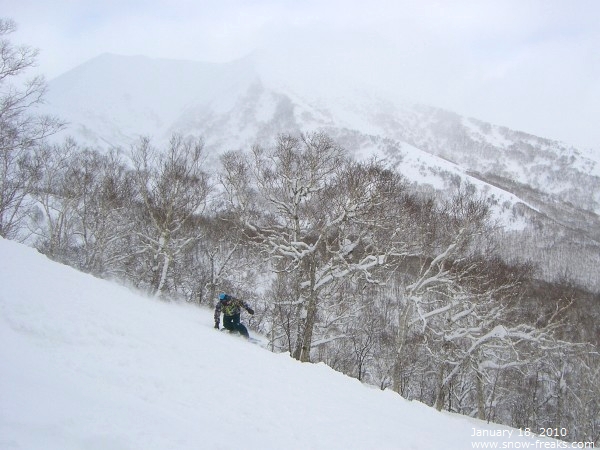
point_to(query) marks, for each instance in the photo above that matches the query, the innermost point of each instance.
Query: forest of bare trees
(346, 262)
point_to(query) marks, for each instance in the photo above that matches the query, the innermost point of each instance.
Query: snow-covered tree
(104, 190)
(54, 223)
(20, 129)
(173, 188)
(315, 214)
(221, 261)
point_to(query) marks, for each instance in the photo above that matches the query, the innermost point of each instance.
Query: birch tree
(20, 129)
(314, 214)
(465, 311)
(54, 223)
(221, 261)
(450, 230)
(172, 188)
(104, 190)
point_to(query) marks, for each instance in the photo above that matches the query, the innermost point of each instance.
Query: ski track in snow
(89, 364)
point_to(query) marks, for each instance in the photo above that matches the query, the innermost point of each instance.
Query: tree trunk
(560, 393)
(400, 342)
(305, 333)
(163, 275)
(311, 315)
(480, 396)
(440, 399)
(164, 251)
(300, 331)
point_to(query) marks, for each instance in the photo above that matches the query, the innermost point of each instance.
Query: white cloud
(529, 65)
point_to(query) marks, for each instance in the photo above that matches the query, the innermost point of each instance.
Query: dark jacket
(230, 307)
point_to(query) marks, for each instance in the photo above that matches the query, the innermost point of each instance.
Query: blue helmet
(223, 296)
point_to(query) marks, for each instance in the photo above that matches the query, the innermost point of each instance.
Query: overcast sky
(532, 65)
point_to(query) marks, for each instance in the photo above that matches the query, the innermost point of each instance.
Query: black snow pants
(232, 323)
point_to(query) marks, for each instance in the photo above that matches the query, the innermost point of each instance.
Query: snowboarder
(231, 307)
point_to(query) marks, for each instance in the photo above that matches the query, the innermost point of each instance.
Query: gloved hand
(217, 326)
(250, 311)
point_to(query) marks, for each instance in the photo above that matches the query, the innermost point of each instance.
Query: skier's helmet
(223, 296)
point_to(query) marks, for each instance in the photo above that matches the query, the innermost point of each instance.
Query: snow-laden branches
(327, 218)
(173, 188)
(21, 130)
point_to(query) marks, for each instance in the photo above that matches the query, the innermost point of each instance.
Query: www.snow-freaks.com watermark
(525, 438)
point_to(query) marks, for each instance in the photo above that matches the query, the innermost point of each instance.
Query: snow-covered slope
(111, 100)
(87, 364)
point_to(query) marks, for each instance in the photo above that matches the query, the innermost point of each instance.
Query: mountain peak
(113, 99)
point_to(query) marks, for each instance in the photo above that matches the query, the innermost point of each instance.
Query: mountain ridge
(112, 100)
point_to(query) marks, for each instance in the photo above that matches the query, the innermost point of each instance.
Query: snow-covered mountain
(112, 100)
(87, 364)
